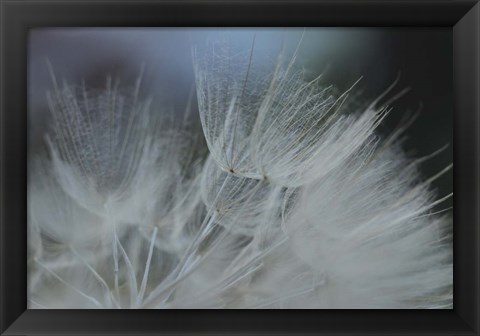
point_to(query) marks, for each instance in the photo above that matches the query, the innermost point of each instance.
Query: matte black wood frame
(18, 16)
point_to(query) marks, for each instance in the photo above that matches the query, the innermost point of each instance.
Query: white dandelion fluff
(297, 203)
(275, 125)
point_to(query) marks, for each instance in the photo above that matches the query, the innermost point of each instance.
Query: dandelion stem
(115, 255)
(132, 283)
(108, 294)
(147, 268)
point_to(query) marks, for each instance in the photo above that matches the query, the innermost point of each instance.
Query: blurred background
(420, 58)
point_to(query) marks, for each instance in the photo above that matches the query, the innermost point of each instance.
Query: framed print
(216, 167)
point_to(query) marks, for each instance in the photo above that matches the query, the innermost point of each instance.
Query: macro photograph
(240, 168)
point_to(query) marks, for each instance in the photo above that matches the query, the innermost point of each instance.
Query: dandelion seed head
(298, 203)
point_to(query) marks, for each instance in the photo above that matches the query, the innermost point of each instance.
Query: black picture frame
(18, 16)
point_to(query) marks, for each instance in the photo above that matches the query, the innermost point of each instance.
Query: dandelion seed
(275, 127)
(297, 204)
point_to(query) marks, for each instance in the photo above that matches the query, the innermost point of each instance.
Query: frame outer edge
(464, 99)
(467, 127)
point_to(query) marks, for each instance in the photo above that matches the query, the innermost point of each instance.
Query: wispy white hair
(298, 203)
